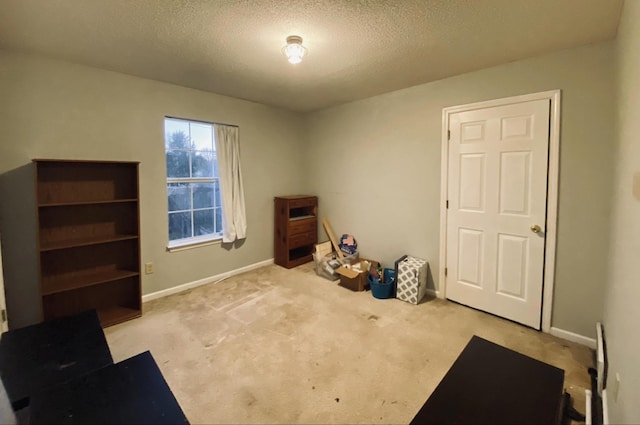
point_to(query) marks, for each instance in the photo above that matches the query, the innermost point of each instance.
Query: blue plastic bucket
(381, 290)
(389, 276)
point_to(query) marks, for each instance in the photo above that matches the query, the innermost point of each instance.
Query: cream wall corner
(54, 109)
(621, 312)
(375, 165)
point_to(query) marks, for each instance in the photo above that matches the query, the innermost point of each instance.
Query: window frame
(200, 240)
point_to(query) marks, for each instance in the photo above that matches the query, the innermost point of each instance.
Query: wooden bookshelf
(88, 238)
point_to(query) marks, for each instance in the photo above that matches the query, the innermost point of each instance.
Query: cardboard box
(354, 277)
(323, 248)
(411, 279)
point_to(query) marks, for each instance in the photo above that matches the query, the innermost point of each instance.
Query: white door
(497, 194)
(4, 324)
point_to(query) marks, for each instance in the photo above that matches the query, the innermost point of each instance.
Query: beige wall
(52, 109)
(375, 165)
(621, 313)
(373, 161)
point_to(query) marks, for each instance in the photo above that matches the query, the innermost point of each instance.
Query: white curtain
(234, 218)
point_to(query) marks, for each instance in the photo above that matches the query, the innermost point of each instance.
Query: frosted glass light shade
(294, 50)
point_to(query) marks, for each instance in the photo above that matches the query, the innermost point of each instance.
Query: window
(193, 188)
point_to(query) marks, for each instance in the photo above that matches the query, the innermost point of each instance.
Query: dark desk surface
(48, 353)
(130, 392)
(490, 384)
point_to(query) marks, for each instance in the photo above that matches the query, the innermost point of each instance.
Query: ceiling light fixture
(294, 50)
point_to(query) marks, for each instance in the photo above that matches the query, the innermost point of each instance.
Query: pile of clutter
(327, 260)
(406, 281)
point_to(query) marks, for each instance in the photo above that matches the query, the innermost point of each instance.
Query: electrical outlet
(616, 387)
(148, 268)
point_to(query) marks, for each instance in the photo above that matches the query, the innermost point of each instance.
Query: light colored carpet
(286, 346)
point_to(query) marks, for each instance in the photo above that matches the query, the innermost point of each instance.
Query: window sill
(193, 243)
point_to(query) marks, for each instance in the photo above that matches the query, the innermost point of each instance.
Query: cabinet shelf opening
(116, 302)
(302, 213)
(82, 279)
(83, 181)
(87, 224)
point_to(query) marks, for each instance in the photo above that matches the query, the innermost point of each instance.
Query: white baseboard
(432, 292)
(574, 337)
(206, 280)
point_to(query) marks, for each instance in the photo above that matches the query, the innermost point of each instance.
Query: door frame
(552, 190)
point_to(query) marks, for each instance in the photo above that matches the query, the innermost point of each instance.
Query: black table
(130, 392)
(490, 384)
(42, 355)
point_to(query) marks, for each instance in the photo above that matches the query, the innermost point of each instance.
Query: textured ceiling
(356, 49)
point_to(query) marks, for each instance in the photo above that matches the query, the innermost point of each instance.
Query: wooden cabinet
(88, 238)
(296, 229)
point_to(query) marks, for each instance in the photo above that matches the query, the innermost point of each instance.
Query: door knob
(535, 228)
